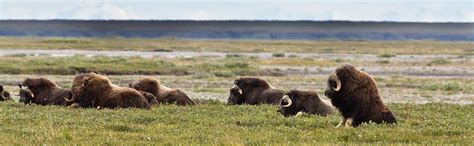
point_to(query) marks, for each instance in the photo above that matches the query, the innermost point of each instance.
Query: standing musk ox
(356, 95)
(297, 101)
(254, 91)
(43, 92)
(5, 95)
(93, 90)
(162, 93)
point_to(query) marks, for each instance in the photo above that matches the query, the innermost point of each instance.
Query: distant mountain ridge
(310, 30)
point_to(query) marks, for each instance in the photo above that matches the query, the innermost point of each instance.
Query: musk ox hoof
(299, 114)
(74, 105)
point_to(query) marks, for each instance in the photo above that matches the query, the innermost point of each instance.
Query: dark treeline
(312, 30)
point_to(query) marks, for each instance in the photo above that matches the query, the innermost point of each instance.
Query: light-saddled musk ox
(163, 94)
(356, 95)
(5, 95)
(255, 91)
(309, 102)
(96, 91)
(43, 92)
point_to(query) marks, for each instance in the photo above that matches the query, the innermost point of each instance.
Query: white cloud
(89, 9)
(200, 15)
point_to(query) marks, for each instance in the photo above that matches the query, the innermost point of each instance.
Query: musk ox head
(247, 85)
(235, 96)
(86, 87)
(4, 94)
(150, 98)
(26, 96)
(297, 101)
(349, 80)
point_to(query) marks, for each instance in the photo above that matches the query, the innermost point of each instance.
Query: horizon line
(243, 20)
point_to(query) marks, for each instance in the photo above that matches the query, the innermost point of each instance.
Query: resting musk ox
(5, 95)
(162, 93)
(43, 92)
(94, 90)
(356, 95)
(297, 101)
(254, 91)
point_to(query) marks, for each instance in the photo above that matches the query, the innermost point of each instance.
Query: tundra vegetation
(430, 94)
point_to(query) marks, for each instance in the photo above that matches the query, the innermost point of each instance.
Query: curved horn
(68, 100)
(3, 96)
(240, 90)
(335, 78)
(287, 99)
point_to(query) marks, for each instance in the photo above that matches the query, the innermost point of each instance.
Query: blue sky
(355, 10)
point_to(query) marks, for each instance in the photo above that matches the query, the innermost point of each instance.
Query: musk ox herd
(351, 92)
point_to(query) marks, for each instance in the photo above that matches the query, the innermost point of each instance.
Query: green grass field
(428, 84)
(168, 44)
(216, 123)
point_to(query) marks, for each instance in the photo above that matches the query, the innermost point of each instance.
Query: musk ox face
(348, 80)
(333, 86)
(150, 98)
(235, 96)
(4, 95)
(26, 96)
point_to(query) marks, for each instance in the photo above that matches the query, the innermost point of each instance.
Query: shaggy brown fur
(356, 95)
(44, 92)
(162, 93)
(4, 94)
(93, 90)
(297, 101)
(256, 91)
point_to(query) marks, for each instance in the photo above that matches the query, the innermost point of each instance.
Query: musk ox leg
(349, 122)
(342, 123)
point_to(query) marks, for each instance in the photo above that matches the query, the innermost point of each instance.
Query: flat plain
(428, 84)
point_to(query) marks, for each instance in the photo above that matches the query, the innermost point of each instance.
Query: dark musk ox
(5, 95)
(43, 92)
(356, 95)
(297, 101)
(254, 91)
(91, 90)
(163, 94)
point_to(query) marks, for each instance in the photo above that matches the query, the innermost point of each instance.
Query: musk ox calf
(356, 95)
(93, 90)
(5, 95)
(254, 91)
(43, 92)
(297, 101)
(163, 94)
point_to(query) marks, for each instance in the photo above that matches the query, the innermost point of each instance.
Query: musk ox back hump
(125, 98)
